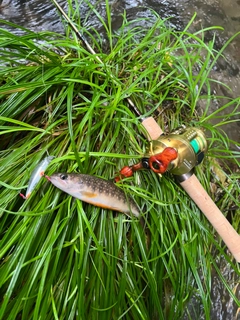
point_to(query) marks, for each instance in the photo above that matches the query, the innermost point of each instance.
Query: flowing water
(41, 15)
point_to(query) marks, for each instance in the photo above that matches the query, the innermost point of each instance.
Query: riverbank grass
(65, 259)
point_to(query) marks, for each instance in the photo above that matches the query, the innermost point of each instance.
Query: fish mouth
(61, 184)
(47, 177)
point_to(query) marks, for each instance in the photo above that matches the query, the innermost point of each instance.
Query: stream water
(41, 15)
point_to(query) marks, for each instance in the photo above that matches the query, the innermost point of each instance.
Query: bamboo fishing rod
(192, 145)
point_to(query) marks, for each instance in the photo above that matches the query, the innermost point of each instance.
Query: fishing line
(91, 50)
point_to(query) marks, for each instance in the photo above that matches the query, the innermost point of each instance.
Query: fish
(96, 191)
(36, 175)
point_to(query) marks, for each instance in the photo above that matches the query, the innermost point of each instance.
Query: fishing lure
(99, 192)
(36, 175)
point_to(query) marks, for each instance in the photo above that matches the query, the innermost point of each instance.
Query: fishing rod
(178, 153)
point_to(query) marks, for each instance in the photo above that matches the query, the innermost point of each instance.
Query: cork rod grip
(196, 191)
(153, 129)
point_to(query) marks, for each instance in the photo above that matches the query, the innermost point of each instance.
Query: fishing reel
(178, 152)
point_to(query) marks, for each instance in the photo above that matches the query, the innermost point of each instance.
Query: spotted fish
(96, 191)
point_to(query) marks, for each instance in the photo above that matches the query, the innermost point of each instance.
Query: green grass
(64, 259)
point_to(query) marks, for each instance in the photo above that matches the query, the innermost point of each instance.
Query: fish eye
(63, 176)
